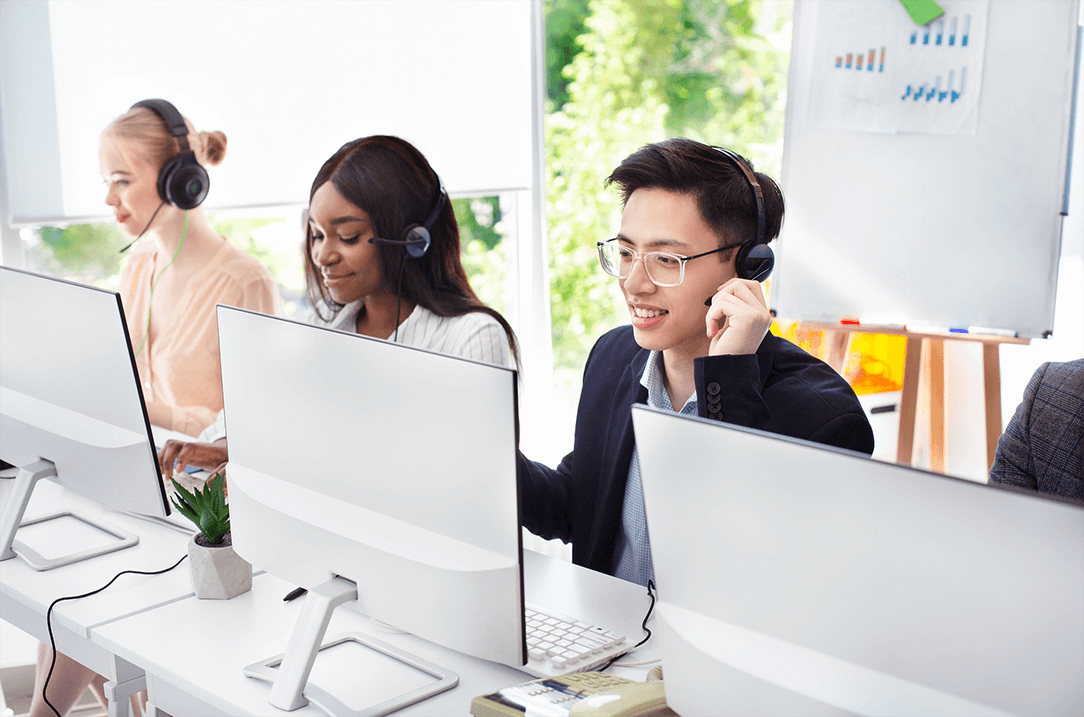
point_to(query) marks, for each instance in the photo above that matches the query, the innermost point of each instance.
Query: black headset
(755, 260)
(416, 239)
(182, 181)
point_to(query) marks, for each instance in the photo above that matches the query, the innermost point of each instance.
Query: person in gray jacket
(1042, 448)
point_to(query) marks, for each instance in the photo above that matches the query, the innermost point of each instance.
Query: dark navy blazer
(781, 389)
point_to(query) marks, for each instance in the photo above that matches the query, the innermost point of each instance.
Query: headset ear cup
(164, 177)
(754, 261)
(416, 241)
(183, 182)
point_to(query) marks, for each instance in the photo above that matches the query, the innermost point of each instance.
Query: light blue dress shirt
(633, 549)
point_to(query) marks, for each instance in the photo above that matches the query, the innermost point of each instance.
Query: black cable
(399, 297)
(49, 624)
(651, 594)
(141, 235)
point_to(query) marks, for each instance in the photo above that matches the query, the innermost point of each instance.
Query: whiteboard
(923, 226)
(288, 81)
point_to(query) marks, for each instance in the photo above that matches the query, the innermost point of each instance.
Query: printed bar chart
(929, 90)
(858, 60)
(922, 89)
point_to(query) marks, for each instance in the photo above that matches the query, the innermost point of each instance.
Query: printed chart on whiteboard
(876, 70)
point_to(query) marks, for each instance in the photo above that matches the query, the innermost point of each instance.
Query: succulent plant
(206, 508)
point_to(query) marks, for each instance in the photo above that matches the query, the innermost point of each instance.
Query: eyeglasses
(663, 268)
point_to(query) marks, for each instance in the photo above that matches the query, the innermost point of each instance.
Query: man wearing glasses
(689, 257)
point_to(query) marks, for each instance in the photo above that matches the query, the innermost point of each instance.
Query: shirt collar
(653, 379)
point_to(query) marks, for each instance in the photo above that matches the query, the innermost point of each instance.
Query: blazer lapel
(616, 458)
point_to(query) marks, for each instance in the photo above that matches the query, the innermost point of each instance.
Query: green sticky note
(922, 11)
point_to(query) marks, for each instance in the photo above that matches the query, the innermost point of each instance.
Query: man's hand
(208, 456)
(738, 318)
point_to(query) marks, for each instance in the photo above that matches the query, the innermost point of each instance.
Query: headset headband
(173, 119)
(758, 194)
(440, 205)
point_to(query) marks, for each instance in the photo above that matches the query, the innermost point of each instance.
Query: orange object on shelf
(874, 363)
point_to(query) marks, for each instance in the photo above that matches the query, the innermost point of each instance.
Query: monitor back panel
(71, 393)
(914, 588)
(385, 464)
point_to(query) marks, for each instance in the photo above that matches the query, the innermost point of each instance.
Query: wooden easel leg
(991, 378)
(937, 405)
(912, 368)
(838, 345)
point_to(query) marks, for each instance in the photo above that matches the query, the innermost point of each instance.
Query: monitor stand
(12, 519)
(289, 672)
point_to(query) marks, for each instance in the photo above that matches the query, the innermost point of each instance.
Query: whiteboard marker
(992, 332)
(883, 322)
(923, 329)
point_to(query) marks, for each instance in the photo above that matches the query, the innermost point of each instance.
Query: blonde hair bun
(214, 147)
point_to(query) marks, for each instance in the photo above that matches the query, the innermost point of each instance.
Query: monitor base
(12, 520)
(268, 670)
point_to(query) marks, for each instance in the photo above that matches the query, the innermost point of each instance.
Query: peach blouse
(180, 368)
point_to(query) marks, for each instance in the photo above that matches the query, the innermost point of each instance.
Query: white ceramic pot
(218, 573)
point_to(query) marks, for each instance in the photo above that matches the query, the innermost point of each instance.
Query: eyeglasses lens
(662, 268)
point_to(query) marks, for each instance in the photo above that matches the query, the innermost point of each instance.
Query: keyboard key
(558, 643)
(588, 643)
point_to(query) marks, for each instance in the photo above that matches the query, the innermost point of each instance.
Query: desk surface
(194, 650)
(25, 593)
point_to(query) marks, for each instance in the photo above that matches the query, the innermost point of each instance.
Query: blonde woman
(152, 163)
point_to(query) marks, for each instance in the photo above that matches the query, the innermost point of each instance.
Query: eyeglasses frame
(639, 256)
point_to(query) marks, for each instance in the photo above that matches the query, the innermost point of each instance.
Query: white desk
(194, 650)
(25, 593)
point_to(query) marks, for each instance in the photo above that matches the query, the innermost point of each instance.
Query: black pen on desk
(294, 594)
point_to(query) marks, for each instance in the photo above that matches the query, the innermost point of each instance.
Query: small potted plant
(218, 573)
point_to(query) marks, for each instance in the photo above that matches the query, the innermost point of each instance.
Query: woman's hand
(738, 318)
(209, 456)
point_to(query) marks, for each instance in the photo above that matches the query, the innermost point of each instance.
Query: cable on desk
(651, 594)
(652, 661)
(49, 624)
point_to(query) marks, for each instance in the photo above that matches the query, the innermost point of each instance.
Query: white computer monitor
(71, 407)
(377, 474)
(800, 579)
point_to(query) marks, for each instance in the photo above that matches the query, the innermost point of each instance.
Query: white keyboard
(558, 644)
